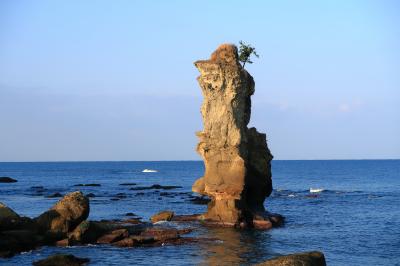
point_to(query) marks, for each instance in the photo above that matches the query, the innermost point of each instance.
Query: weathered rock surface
(62, 260)
(65, 215)
(313, 258)
(237, 160)
(162, 216)
(65, 225)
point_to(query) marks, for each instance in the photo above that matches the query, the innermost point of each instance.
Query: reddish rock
(162, 216)
(113, 236)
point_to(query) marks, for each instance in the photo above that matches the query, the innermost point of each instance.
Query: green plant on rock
(245, 52)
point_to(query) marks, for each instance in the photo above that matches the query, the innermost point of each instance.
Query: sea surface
(355, 220)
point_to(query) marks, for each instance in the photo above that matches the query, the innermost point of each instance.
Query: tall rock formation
(237, 160)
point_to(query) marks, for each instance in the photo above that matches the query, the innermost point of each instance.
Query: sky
(115, 80)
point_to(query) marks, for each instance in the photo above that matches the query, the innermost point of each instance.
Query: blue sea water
(354, 221)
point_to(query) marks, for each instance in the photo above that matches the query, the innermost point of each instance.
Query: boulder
(14, 241)
(86, 232)
(8, 217)
(162, 216)
(237, 160)
(313, 258)
(65, 215)
(6, 179)
(62, 260)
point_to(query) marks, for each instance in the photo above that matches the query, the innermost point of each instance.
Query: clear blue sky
(114, 80)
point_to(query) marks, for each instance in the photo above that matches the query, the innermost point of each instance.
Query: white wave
(149, 171)
(316, 190)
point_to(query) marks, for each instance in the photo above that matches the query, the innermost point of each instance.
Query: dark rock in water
(130, 214)
(155, 186)
(128, 184)
(37, 187)
(14, 241)
(55, 195)
(162, 216)
(200, 200)
(6, 179)
(237, 160)
(113, 236)
(65, 215)
(62, 260)
(121, 195)
(86, 232)
(314, 258)
(90, 195)
(10, 220)
(8, 217)
(87, 185)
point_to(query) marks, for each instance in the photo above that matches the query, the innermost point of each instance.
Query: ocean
(354, 220)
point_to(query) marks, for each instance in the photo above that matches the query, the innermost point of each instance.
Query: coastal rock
(6, 179)
(86, 232)
(62, 260)
(113, 236)
(65, 215)
(313, 258)
(162, 216)
(237, 160)
(14, 241)
(8, 217)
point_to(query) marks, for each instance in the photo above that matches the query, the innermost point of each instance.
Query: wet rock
(314, 258)
(155, 186)
(8, 217)
(65, 215)
(90, 195)
(120, 195)
(87, 185)
(14, 241)
(86, 232)
(63, 243)
(6, 179)
(128, 184)
(62, 260)
(237, 174)
(162, 216)
(161, 234)
(55, 195)
(130, 214)
(113, 236)
(10, 220)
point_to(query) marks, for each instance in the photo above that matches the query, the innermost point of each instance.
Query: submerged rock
(313, 258)
(6, 179)
(162, 216)
(155, 186)
(62, 260)
(237, 160)
(87, 185)
(65, 215)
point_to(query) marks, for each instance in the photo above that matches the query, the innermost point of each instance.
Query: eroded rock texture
(237, 159)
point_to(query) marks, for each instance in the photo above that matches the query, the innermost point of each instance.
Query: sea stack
(237, 160)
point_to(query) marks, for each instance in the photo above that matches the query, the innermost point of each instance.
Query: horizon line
(99, 161)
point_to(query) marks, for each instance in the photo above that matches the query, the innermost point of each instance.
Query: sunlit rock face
(237, 160)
